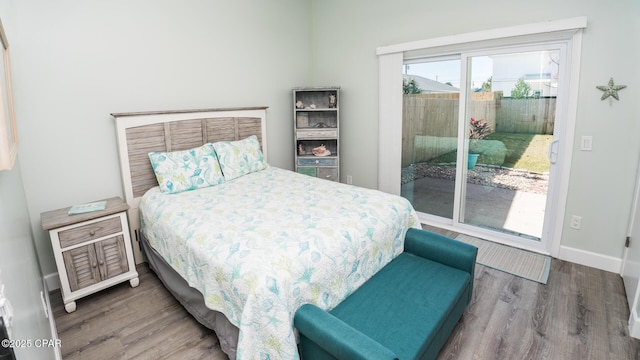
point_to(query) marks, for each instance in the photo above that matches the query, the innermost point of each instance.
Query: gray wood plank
(121, 322)
(59, 218)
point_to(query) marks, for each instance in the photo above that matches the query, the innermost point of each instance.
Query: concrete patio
(486, 206)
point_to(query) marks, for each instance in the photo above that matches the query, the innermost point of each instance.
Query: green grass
(517, 151)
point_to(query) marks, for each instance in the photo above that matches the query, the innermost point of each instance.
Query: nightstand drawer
(90, 231)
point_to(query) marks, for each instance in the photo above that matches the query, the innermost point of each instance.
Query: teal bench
(405, 311)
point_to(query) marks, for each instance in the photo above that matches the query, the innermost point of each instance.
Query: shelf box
(317, 161)
(307, 146)
(328, 173)
(317, 134)
(317, 97)
(316, 119)
(311, 171)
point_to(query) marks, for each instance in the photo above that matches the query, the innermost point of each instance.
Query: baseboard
(52, 281)
(591, 259)
(634, 325)
(52, 321)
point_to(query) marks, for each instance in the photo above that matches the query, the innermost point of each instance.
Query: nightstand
(92, 250)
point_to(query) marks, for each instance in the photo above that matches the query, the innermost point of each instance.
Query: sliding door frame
(390, 61)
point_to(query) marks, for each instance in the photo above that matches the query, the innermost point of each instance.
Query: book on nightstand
(89, 207)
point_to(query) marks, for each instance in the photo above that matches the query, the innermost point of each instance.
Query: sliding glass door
(511, 121)
(430, 134)
(478, 138)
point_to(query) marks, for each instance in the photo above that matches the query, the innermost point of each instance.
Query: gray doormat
(515, 261)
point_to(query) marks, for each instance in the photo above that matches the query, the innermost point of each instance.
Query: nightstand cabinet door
(81, 265)
(112, 257)
(90, 264)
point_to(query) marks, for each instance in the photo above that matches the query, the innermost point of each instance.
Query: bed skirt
(192, 300)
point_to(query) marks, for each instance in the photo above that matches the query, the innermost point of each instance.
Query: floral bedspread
(260, 246)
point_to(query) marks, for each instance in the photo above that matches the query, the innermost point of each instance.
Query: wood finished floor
(580, 314)
(121, 322)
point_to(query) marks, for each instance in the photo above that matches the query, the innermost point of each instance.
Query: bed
(243, 253)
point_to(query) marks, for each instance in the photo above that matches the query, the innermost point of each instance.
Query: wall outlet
(576, 222)
(586, 143)
(349, 179)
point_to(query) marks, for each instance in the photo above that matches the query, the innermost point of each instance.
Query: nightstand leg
(70, 307)
(134, 282)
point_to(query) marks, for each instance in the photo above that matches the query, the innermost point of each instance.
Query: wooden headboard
(140, 133)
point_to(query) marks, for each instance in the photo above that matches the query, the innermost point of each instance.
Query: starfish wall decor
(610, 90)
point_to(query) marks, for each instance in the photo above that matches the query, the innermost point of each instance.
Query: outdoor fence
(528, 116)
(430, 121)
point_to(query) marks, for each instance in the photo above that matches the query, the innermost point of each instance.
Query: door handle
(553, 151)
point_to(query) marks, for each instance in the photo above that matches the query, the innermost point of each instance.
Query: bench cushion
(407, 303)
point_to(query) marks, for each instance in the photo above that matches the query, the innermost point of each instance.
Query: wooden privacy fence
(528, 116)
(430, 121)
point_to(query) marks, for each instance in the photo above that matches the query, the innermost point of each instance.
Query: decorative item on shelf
(312, 106)
(303, 119)
(610, 91)
(321, 151)
(301, 150)
(478, 130)
(332, 101)
(299, 105)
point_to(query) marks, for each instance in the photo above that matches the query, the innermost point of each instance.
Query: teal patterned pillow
(186, 170)
(240, 157)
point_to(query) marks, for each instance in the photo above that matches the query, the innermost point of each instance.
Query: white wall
(75, 62)
(347, 33)
(19, 269)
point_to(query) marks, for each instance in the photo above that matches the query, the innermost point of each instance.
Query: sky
(449, 70)
(539, 68)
